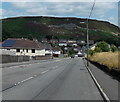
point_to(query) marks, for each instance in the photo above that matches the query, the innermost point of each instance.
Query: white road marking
(55, 67)
(44, 71)
(26, 79)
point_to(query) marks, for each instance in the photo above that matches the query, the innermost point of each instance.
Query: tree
(49, 37)
(114, 48)
(103, 46)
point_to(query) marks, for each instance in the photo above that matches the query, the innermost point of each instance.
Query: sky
(106, 11)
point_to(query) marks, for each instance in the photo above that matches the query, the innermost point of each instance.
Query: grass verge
(109, 59)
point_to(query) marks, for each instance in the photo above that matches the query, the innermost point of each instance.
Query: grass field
(109, 59)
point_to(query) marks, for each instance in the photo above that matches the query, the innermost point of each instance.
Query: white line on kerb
(44, 71)
(100, 88)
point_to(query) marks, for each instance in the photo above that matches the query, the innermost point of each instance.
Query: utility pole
(52, 46)
(87, 44)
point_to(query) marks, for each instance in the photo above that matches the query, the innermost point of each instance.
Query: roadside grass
(109, 59)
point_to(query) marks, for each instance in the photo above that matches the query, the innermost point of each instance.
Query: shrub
(91, 52)
(98, 49)
(114, 48)
(103, 46)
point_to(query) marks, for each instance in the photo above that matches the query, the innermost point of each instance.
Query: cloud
(77, 9)
(59, 0)
(74, 9)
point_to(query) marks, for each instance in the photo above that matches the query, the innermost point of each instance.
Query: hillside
(62, 28)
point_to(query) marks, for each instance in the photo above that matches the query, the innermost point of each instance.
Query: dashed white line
(44, 71)
(26, 79)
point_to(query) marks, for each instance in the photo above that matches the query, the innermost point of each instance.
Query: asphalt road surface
(60, 79)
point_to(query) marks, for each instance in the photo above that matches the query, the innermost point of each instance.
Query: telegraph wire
(92, 9)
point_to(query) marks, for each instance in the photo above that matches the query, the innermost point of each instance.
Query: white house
(23, 47)
(62, 44)
(92, 47)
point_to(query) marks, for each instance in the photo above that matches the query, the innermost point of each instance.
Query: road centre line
(20, 82)
(44, 71)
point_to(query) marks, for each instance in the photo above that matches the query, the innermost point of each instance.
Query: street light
(87, 40)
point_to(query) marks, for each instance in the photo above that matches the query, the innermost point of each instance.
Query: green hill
(61, 28)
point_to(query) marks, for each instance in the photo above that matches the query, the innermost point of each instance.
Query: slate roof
(21, 43)
(47, 46)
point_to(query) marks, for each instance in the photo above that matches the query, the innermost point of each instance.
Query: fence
(11, 58)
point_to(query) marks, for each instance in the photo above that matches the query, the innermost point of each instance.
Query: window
(26, 50)
(33, 50)
(8, 49)
(17, 50)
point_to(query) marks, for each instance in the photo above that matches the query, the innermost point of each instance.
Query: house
(92, 47)
(62, 42)
(24, 47)
(91, 42)
(57, 51)
(71, 41)
(54, 41)
(44, 40)
(81, 42)
(48, 49)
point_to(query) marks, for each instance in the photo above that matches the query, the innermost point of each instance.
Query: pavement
(109, 84)
(59, 79)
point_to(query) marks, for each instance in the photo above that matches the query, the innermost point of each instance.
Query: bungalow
(24, 47)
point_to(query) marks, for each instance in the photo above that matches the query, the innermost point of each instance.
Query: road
(60, 79)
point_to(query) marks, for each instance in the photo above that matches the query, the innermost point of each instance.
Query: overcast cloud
(102, 10)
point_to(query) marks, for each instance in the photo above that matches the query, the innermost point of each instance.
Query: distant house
(54, 41)
(91, 42)
(57, 51)
(48, 49)
(62, 42)
(92, 47)
(23, 47)
(80, 42)
(44, 40)
(71, 41)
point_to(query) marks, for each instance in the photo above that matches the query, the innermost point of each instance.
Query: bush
(72, 52)
(91, 52)
(114, 48)
(103, 46)
(97, 49)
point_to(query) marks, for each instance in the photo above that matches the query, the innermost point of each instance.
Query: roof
(47, 46)
(21, 43)
(57, 49)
